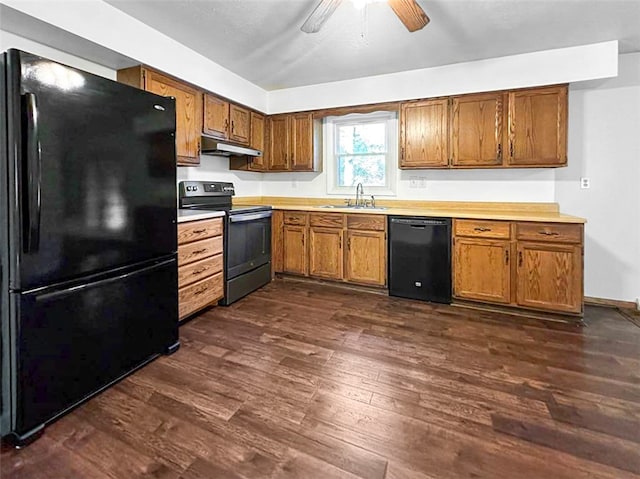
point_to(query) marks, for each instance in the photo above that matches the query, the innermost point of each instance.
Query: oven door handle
(249, 217)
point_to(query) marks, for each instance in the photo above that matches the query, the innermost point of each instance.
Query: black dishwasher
(420, 258)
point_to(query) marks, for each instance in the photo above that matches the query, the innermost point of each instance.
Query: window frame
(330, 125)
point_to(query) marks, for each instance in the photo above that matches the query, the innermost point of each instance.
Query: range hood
(216, 147)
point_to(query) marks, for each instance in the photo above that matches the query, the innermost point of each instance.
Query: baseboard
(339, 284)
(611, 303)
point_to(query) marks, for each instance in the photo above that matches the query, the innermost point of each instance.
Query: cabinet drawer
(367, 222)
(327, 220)
(482, 229)
(198, 295)
(197, 230)
(199, 270)
(199, 250)
(556, 232)
(295, 218)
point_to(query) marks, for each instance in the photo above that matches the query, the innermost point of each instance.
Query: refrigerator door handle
(33, 176)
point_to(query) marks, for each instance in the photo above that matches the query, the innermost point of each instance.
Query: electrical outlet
(417, 182)
(585, 183)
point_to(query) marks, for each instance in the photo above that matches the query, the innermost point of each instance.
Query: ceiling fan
(408, 11)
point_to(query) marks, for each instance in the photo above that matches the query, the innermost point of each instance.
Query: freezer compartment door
(93, 169)
(72, 343)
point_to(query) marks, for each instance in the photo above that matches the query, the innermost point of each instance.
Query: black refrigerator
(88, 237)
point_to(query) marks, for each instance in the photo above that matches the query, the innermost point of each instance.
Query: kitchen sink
(355, 207)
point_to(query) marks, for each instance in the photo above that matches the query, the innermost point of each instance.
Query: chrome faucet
(359, 194)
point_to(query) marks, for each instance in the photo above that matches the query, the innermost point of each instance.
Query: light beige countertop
(540, 212)
(185, 215)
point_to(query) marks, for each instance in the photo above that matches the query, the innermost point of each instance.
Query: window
(361, 148)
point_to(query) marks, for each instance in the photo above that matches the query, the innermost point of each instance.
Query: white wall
(216, 168)
(105, 25)
(604, 145)
(9, 40)
(562, 65)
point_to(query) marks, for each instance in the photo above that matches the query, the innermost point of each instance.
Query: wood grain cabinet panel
(554, 232)
(188, 108)
(216, 117)
(240, 120)
(278, 143)
(328, 220)
(550, 276)
(295, 251)
(482, 270)
(424, 134)
(476, 130)
(482, 229)
(538, 127)
(366, 257)
(325, 252)
(200, 262)
(257, 141)
(301, 138)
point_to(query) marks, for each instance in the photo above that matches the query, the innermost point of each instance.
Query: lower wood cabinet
(200, 263)
(366, 258)
(294, 245)
(350, 248)
(550, 276)
(482, 270)
(325, 252)
(526, 264)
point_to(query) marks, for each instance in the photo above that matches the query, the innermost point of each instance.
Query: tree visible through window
(361, 153)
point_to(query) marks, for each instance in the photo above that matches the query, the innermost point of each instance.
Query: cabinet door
(278, 143)
(216, 117)
(325, 252)
(476, 130)
(424, 134)
(550, 276)
(366, 257)
(240, 124)
(538, 127)
(295, 249)
(482, 270)
(257, 141)
(188, 114)
(301, 138)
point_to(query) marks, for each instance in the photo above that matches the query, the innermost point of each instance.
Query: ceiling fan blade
(409, 13)
(320, 15)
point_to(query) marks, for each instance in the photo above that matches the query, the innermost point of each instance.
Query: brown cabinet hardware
(481, 229)
(520, 258)
(197, 232)
(200, 251)
(506, 256)
(549, 233)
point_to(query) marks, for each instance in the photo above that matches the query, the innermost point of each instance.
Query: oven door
(248, 242)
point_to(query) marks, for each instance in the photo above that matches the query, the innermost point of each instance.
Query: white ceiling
(261, 39)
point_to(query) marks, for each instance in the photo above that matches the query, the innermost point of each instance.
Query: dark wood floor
(308, 381)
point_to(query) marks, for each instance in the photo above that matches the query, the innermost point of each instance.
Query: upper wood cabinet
(294, 143)
(538, 127)
(240, 124)
(257, 141)
(518, 128)
(477, 129)
(225, 120)
(188, 108)
(278, 143)
(216, 117)
(424, 134)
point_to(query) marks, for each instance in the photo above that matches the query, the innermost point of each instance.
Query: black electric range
(247, 235)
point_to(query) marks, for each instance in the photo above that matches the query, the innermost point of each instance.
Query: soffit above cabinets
(261, 40)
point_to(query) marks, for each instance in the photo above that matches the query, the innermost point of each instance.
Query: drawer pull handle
(200, 291)
(198, 232)
(482, 230)
(200, 251)
(198, 271)
(548, 233)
